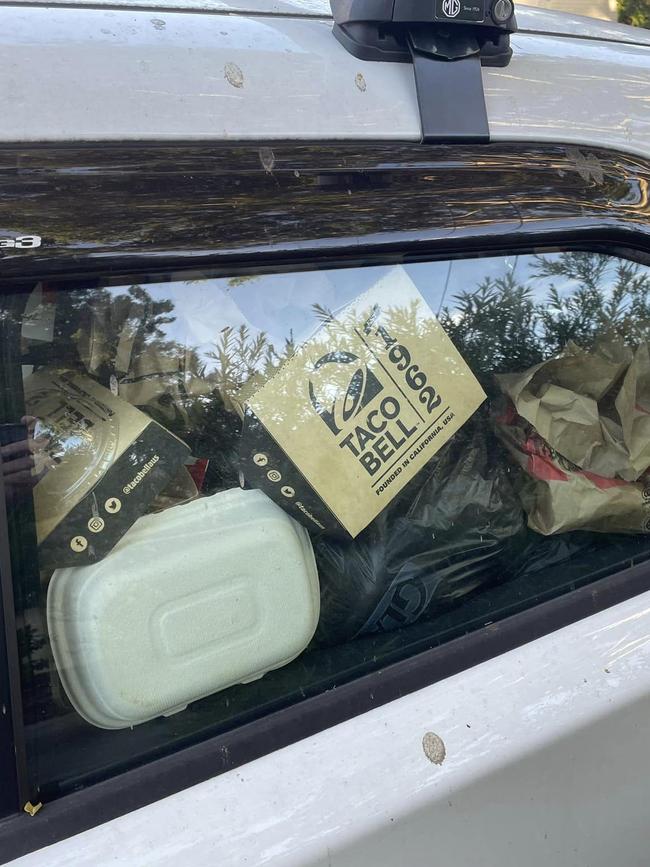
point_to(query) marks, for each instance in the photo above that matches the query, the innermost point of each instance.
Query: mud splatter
(434, 748)
(233, 75)
(267, 158)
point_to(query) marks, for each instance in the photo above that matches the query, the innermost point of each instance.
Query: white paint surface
(103, 74)
(114, 75)
(529, 18)
(546, 764)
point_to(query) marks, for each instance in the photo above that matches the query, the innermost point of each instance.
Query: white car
(324, 400)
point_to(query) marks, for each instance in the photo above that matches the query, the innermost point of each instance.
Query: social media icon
(287, 491)
(113, 505)
(96, 524)
(79, 543)
(274, 476)
(260, 459)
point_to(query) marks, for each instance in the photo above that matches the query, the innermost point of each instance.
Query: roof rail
(447, 41)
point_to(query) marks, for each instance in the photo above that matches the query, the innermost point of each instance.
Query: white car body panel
(546, 764)
(529, 18)
(191, 76)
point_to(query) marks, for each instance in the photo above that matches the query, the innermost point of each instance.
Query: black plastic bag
(449, 532)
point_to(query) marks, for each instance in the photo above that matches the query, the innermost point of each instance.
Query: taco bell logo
(336, 409)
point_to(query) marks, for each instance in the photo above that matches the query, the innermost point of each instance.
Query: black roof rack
(447, 41)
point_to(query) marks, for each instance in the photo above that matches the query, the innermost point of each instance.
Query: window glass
(226, 494)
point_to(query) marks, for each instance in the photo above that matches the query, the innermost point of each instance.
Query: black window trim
(15, 774)
(129, 790)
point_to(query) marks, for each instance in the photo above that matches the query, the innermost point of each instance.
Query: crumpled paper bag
(633, 408)
(156, 377)
(592, 408)
(559, 496)
(163, 384)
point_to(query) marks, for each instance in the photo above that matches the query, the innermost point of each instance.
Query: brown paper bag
(568, 401)
(633, 407)
(559, 496)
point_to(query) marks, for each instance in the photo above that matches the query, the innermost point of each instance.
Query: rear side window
(226, 494)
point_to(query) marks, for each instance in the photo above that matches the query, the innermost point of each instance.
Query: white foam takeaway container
(191, 601)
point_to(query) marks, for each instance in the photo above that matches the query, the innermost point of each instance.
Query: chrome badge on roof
(21, 241)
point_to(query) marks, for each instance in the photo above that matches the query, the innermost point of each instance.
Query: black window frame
(9, 751)
(311, 211)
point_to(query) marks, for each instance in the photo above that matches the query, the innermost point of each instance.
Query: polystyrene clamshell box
(191, 601)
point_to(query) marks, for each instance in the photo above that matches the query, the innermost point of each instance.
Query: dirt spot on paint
(360, 82)
(434, 748)
(233, 75)
(158, 23)
(267, 158)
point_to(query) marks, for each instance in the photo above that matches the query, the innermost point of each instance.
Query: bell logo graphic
(335, 408)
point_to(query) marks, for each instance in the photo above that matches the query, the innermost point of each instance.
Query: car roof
(111, 73)
(529, 18)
